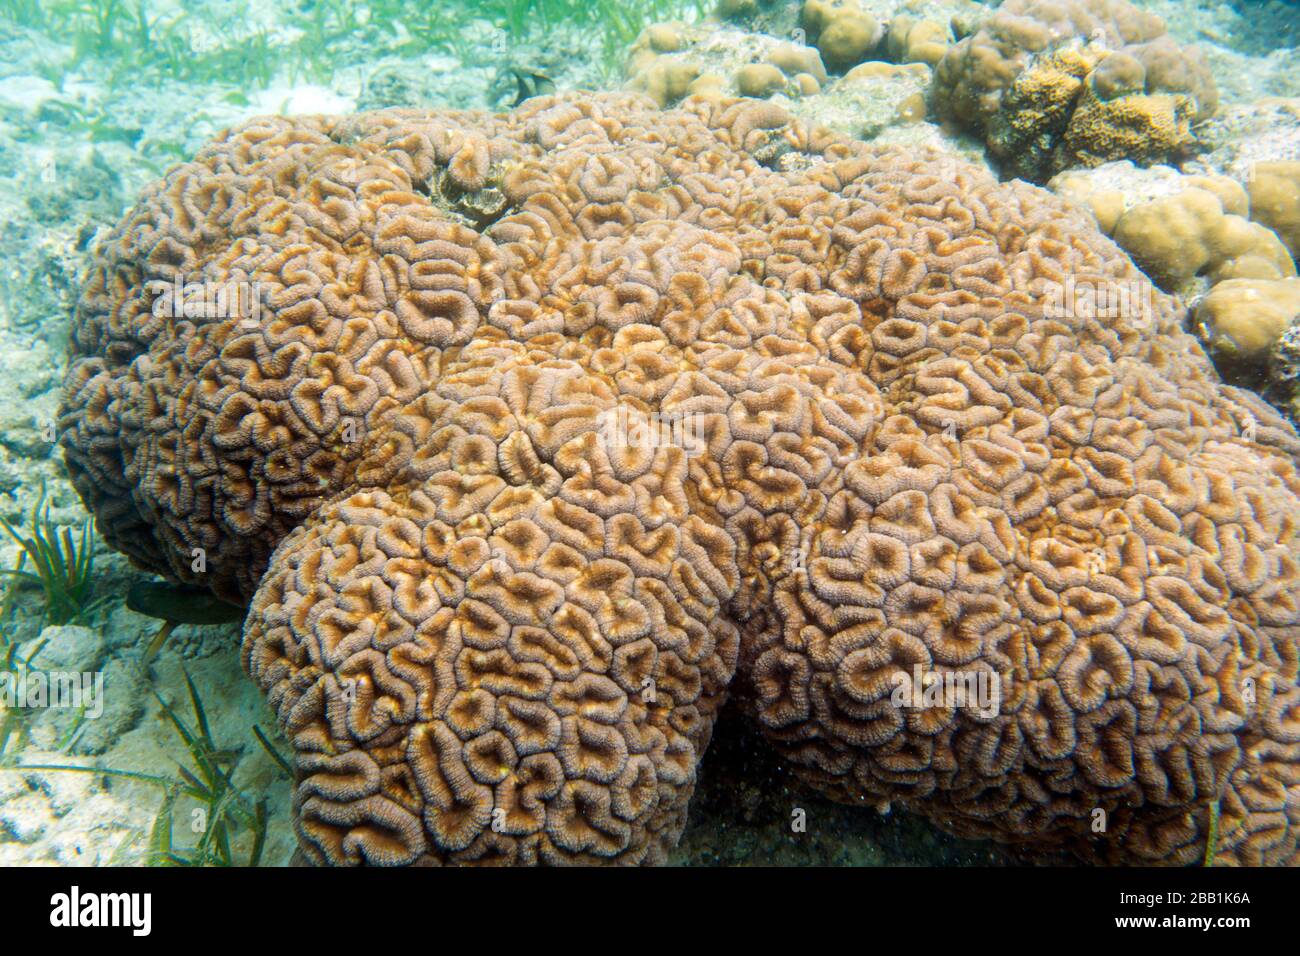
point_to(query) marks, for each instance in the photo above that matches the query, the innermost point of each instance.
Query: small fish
(176, 604)
(530, 83)
(181, 603)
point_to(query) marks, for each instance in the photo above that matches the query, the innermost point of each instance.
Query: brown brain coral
(497, 629)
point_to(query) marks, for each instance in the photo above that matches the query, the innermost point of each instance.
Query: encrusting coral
(1061, 83)
(1275, 200)
(1178, 228)
(916, 41)
(862, 437)
(843, 31)
(874, 100)
(670, 61)
(1244, 318)
(1191, 235)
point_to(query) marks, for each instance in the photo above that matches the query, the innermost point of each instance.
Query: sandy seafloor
(80, 134)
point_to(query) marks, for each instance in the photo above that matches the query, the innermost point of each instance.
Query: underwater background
(99, 98)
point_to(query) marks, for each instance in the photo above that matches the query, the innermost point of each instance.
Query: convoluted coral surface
(496, 629)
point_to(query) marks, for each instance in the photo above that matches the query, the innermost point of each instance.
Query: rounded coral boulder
(537, 432)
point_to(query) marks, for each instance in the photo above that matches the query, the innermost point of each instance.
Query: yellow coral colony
(1053, 84)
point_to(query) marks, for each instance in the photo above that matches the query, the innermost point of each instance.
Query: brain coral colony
(490, 633)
